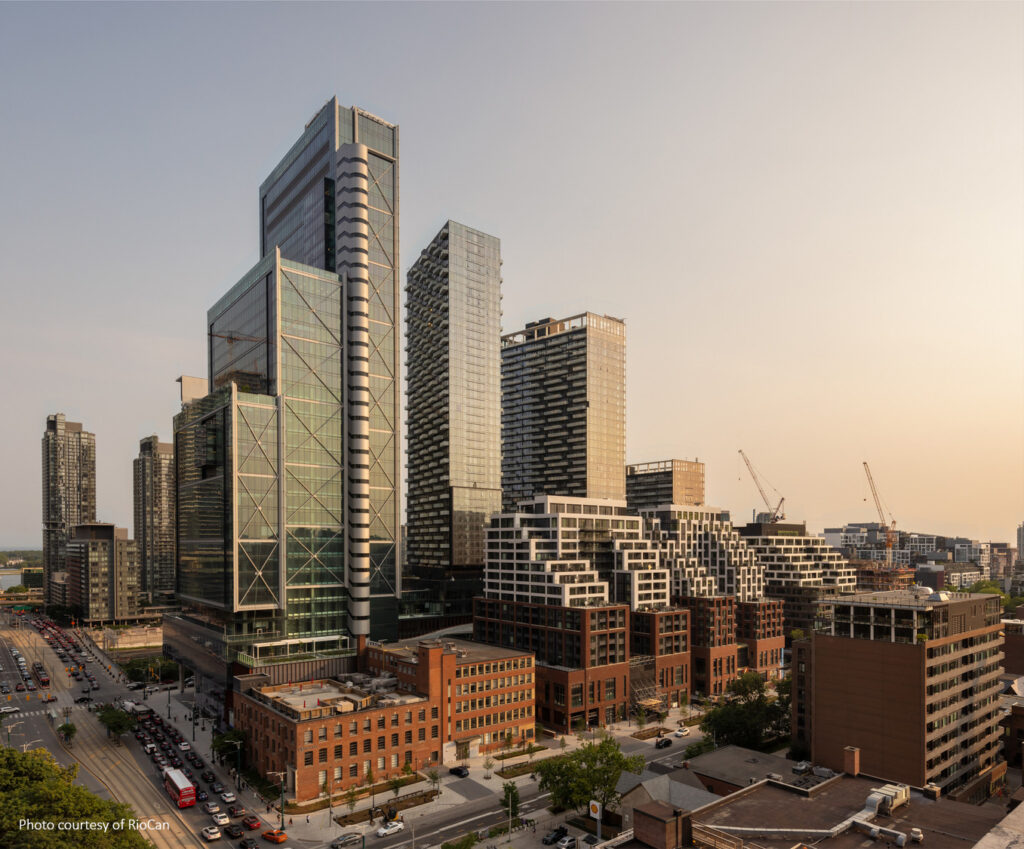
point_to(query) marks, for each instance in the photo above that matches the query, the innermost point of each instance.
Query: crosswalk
(44, 711)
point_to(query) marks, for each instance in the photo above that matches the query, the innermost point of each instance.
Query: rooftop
(922, 598)
(330, 697)
(945, 824)
(467, 651)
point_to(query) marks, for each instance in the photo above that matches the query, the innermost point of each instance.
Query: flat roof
(908, 598)
(945, 824)
(466, 651)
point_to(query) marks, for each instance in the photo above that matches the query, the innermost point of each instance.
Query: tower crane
(890, 526)
(774, 513)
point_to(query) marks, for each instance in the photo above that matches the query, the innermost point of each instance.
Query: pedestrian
(307, 819)
(291, 821)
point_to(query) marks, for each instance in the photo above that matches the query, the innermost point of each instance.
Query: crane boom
(890, 525)
(775, 513)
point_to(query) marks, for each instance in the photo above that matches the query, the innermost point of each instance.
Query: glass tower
(69, 489)
(332, 203)
(454, 397)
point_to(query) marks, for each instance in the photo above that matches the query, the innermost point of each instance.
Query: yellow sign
(595, 809)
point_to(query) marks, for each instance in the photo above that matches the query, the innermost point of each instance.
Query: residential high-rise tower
(453, 316)
(69, 489)
(153, 477)
(563, 409)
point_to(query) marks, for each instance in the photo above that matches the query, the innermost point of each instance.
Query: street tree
(744, 720)
(117, 722)
(590, 772)
(369, 779)
(510, 799)
(641, 717)
(351, 799)
(488, 766)
(396, 784)
(67, 731)
(434, 777)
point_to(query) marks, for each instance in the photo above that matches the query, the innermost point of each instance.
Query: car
(275, 835)
(183, 746)
(176, 763)
(211, 807)
(683, 732)
(217, 787)
(86, 690)
(95, 686)
(50, 698)
(30, 687)
(460, 771)
(392, 827)
(10, 709)
(663, 743)
(208, 776)
(4, 689)
(237, 811)
(211, 833)
(83, 700)
(552, 837)
(234, 831)
(197, 761)
(20, 687)
(227, 797)
(135, 685)
(251, 823)
(346, 840)
(188, 773)
(202, 795)
(567, 843)
(248, 843)
(220, 819)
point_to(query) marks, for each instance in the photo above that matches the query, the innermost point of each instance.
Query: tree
(17, 589)
(562, 744)
(434, 777)
(579, 727)
(641, 717)
(506, 743)
(510, 801)
(407, 769)
(369, 779)
(36, 788)
(488, 765)
(351, 799)
(396, 784)
(117, 722)
(779, 711)
(67, 731)
(590, 772)
(743, 720)
(797, 634)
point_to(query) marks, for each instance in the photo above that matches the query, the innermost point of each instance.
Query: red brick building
(713, 646)
(662, 636)
(582, 656)
(760, 636)
(422, 703)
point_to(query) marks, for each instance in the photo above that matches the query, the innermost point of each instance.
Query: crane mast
(890, 526)
(775, 513)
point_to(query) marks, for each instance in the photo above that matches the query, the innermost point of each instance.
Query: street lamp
(280, 778)
(25, 746)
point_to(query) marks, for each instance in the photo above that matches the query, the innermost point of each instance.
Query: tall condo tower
(454, 404)
(69, 490)
(563, 409)
(153, 479)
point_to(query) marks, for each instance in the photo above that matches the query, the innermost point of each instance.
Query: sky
(809, 215)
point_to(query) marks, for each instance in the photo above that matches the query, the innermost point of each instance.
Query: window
(353, 727)
(380, 765)
(408, 717)
(367, 745)
(353, 771)
(408, 757)
(321, 777)
(394, 739)
(433, 712)
(337, 773)
(408, 736)
(422, 715)
(433, 732)
(394, 761)
(322, 758)
(353, 748)
(421, 734)
(307, 736)
(394, 720)
(323, 733)
(307, 759)
(381, 722)
(380, 742)
(338, 753)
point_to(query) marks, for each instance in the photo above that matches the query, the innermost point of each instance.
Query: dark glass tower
(153, 479)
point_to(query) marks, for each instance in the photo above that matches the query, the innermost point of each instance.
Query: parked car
(663, 743)
(568, 843)
(460, 771)
(682, 731)
(552, 837)
(392, 827)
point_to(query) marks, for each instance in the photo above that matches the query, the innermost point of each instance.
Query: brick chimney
(851, 761)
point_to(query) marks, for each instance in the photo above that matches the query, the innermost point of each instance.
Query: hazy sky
(809, 215)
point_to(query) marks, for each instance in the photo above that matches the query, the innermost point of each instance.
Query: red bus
(179, 788)
(40, 673)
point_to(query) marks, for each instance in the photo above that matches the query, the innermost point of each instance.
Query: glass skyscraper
(454, 397)
(288, 471)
